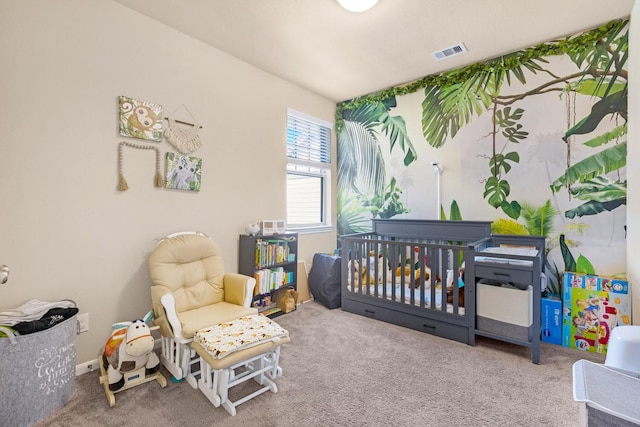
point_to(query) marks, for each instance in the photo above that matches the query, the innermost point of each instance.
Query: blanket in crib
(239, 334)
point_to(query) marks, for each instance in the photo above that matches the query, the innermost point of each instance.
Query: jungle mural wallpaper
(534, 141)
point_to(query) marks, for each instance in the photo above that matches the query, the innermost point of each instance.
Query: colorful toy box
(551, 307)
(592, 307)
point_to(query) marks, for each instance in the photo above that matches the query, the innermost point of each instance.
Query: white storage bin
(504, 311)
(610, 397)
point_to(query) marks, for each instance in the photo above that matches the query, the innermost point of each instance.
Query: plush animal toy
(354, 276)
(370, 269)
(460, 290)
(406, 271)
(364, 274)
(129, 348)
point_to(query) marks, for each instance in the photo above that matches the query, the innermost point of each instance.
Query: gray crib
(422, 274)
(383, 274)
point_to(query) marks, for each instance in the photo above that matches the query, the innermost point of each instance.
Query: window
(308, 171)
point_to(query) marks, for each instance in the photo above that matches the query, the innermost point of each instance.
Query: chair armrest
(238, 289)
(169, 305)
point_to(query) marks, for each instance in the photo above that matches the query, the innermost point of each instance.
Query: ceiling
(338, 54)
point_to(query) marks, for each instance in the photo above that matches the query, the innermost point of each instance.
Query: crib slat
(434, 272)
(454, 285)
(383, 260)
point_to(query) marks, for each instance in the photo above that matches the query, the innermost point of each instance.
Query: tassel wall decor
(122, 183)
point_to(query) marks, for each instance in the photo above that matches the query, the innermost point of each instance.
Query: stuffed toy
(370, 269)
(460, 289)
(406, 271)
(129, 348)
(355, 271)
(362, 273)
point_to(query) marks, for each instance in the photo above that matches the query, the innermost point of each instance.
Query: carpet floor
(341, 369)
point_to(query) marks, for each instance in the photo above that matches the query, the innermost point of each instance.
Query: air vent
(448, 52)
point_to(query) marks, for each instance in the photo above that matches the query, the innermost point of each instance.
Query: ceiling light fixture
(357, 5)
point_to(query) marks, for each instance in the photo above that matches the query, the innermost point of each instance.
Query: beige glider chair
(191, 291)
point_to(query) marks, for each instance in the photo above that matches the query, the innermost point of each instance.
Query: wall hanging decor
(183, 135)
(122, 183)
(140, 119)
(183, 172)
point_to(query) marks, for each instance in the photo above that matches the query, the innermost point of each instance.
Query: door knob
(4, 274)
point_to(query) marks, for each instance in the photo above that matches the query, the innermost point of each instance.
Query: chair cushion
(239, 334)
(190, 266)
(239, 356)
(194, 320)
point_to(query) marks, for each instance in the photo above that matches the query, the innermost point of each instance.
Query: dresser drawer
(504, 274)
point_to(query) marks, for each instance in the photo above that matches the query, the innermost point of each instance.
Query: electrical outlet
(83, 322)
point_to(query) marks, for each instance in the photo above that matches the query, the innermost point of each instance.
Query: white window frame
(311, 168)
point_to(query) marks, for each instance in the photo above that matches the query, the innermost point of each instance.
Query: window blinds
(307, 140)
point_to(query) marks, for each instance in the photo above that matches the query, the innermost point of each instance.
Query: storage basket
(37, 373)
(610, 396)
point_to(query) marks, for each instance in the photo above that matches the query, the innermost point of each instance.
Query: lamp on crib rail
(438, 169)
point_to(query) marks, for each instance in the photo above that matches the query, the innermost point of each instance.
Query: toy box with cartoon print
(592, 307)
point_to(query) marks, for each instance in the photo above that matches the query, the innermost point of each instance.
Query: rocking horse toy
(128, 358)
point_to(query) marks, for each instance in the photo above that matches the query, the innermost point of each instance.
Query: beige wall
(65, 230)
(633, 172)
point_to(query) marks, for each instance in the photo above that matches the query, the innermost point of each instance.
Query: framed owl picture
(140, 119)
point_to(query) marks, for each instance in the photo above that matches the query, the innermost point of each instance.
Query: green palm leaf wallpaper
(534, 140)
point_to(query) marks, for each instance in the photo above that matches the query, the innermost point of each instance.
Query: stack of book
(268, 280)
(271, 252)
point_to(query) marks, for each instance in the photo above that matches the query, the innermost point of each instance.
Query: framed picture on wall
(183, 172)
(140, 119)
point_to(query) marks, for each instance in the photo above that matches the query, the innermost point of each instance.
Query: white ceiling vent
(448, 52)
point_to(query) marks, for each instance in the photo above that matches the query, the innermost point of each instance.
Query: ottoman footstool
(234, 352)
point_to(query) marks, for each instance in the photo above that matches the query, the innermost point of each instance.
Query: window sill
(312, 230)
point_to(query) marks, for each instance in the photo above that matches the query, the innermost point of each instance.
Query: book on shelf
(288, 277)
(271, 252)
(270, 279)
(269, 311)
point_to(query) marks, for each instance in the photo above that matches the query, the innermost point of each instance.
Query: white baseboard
(92, 365)
(85, 367)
